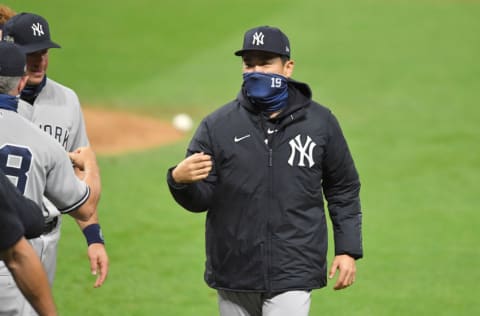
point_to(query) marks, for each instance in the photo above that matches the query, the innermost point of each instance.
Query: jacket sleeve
(19, 215)
(197, 196)
(31, 216)
(341, 186)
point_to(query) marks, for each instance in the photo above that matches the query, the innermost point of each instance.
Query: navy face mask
(31, 92)
(268, 92)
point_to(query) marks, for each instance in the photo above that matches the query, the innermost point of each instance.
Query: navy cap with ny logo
(267, 39)
(29, 31)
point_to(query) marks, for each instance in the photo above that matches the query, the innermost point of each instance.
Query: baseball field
(403, 78)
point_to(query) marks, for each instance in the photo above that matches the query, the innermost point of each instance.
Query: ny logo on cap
(8, 38)
(257, 39)
(37, 29)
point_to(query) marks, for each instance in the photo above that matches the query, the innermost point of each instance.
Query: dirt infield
(116, 132)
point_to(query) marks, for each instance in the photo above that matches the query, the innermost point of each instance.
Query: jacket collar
(8, 102)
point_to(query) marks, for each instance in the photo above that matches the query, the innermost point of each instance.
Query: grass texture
(403, 78)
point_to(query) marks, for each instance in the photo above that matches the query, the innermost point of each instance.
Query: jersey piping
(77, 204)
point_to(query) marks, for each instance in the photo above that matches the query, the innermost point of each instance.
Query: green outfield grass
(403, 78)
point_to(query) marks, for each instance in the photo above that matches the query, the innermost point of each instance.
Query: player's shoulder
(14, 121)
(223, 112)
(57, 93)
(26, 132)
(58, 86)
(319, 109)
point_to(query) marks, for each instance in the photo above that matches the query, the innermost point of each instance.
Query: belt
(49, 226)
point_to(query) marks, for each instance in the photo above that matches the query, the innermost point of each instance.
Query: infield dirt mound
(113, 132)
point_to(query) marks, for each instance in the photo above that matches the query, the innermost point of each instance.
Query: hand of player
(86, 168)
(98, 262)
(346, 265)
(83, 158)
(193, 168)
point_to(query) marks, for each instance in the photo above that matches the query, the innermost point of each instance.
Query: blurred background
(403, 79)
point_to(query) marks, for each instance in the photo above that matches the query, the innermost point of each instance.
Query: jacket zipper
(269, 211)
(268, 240)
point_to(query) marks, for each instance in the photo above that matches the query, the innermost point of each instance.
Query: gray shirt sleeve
(63, 188)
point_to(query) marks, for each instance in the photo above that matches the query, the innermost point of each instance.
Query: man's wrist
(93, 234)
(172, 182)
(174, 170)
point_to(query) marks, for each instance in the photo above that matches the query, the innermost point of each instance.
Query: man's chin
(35, 80)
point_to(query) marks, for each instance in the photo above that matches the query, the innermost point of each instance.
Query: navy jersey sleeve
(341, 186)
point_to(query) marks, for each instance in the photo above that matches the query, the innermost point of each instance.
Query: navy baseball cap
(12, 60)
(267, 39)
(29, 31)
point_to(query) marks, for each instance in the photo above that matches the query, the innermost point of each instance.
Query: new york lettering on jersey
(60, 133)
(57, 111)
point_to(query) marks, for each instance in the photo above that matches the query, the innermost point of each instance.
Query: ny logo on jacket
(305, 151)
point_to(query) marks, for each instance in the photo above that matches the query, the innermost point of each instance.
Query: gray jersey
(57, 111)
(37, 164)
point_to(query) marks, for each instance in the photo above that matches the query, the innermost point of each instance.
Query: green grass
(402, 77)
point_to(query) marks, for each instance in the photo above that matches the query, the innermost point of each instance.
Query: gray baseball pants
(290, 303)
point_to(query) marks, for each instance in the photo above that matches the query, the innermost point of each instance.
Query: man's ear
(288, 68)
(21, 84)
